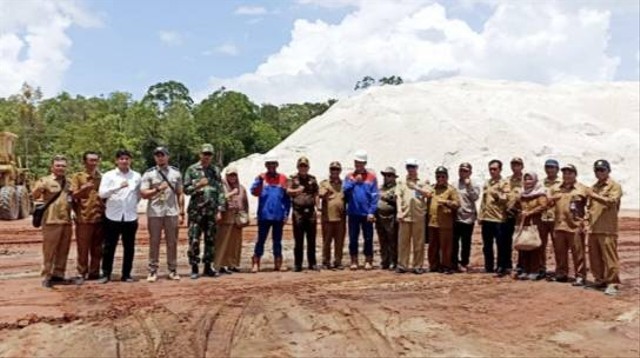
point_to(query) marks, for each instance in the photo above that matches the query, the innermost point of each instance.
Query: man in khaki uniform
(443, 207)
(56, 221)
(411, 195)
(161, 185)
(604, 205)
(570, 199)
(546, 226)
(492, 215)
(386, 224)
(333, 217)
(89, 209)
(509, 226)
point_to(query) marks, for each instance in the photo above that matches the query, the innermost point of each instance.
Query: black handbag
(38, 211)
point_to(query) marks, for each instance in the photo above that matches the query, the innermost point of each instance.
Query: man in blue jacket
(361, 193)
(273, 210)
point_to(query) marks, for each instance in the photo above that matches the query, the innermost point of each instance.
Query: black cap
(602, 164)
(162, 150)
(442, 170)
(569, 167)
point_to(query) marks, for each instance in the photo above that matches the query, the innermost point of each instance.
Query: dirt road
(310, 314)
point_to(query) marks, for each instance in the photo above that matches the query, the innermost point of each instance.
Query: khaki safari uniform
(89, 211)
(531, 261)
(333, 220)
(547, 222)
(412, 209)
(570, 201)
(56, 225)
(603, 237)
(442, 212)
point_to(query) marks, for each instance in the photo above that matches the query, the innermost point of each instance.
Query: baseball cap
(162, 150)
(303, 160)
(569, 167)
(411, 162)
(442, 170)
(389, 170)
(602, 164)
(335, 165)
(207, 148)
(466, 166)
(517, 160)
(552, 163)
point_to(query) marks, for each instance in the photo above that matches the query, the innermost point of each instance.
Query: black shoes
(194, 272)
(209, 271)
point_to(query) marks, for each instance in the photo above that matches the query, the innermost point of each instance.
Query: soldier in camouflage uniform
(202, 181)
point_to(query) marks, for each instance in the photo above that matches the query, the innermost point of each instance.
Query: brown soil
(330, 313)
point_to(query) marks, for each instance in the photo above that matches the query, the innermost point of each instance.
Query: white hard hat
(270, 157)
(360, 156)
(411, 162)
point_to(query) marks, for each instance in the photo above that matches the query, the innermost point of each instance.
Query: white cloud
(228, 49)
(543, 42)
(170, 38)
(34, 42)
(250, 10)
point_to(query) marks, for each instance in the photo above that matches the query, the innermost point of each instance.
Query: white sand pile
(451, 121)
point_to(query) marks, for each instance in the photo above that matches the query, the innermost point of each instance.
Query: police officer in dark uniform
(303, 189)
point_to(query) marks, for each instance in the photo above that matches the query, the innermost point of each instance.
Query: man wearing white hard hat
(273, 210)
(361, 193)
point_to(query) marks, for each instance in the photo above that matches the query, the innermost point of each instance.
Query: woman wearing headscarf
(228, 245)
(531, 203)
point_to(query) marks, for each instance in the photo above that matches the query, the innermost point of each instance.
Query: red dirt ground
(315, 314)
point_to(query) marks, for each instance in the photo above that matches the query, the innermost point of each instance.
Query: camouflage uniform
(203, 207)
(386, 224)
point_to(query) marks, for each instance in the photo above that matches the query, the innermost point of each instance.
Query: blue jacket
(273, 201)
(362, 198)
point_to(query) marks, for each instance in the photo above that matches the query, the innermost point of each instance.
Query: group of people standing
(406, 213)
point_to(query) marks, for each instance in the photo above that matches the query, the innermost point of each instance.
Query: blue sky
(296, 50)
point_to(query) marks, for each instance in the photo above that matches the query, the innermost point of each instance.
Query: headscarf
(536, 190)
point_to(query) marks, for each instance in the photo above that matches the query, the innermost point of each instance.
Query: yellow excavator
(15, 181)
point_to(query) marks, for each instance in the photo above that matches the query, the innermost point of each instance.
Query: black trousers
(461, 243)
(113, 230)
(504, 255)
(304, 226)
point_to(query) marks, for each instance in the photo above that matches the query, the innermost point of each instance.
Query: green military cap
(303, 161)
(207, 148)
(335, 165)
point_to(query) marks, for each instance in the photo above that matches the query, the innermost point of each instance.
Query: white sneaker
(152, 277)
(174, 276)
(611, 290)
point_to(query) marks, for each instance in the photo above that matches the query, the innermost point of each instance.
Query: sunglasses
(335, 169)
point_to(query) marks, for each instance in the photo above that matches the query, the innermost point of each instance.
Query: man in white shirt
(121, 188)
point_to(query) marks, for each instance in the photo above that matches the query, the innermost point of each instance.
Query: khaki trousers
(563, 242)
(411, 244)
(603, 258)
(56, 241)
(546, 229)
(168, 224)
(440, 248)
(89, 239)
(228, 244)
(333, 233)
